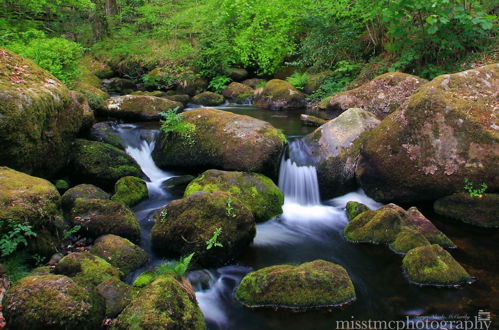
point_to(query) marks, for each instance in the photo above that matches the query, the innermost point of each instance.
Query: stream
(310, 229)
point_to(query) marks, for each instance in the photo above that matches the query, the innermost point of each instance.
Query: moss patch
(478, 211)
(130, 191)
(84, 191)
(208, 99)
(279, 94)
(353, 209)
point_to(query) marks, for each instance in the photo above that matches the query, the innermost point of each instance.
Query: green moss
(145, 278)
(256, 191)
(167, 302)
(208, 99)
(407, 240)
(84, 191)
(130, 191)
(137, 107)
(279, 94)
(238, 92)
(353, 209)
(478, 211)
(52, 301)
(432, 265)
(116, 294)
(313, 284)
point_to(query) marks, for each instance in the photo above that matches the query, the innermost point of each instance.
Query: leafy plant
(163, 216)
(343, 74)
(16, 266)
(298, 80)
(39, 260)
(173, 122)
(474, 192)
(16, 233)
(179, 268)
(213, 241)
(71, 232)
(229, 209)
(219, 83)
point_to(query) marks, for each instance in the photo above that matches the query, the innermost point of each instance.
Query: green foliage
(344, 73)
(15, 233)
(213, 241)
(229, 209)
(70, 232)
(298, 80)
(179, 268)
(17, 266)
(219, 83)
(474, 192)
(167, 77)
(39, 260)
(174, 122)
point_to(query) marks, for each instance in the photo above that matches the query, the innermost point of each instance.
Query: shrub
(298, 80)
(219, 83)
(173, 122)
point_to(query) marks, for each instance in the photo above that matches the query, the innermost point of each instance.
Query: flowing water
(311, 229)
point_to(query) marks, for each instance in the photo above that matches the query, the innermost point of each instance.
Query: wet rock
(222, 140)
(237, 74)
(84, 191)
(353, 209)
(481, 211)
(256, 191)
(137, 107)
(432, 265)
(182, 98)
(130, 191)
(237, 92)
(278, 95)
(191, 85)
(119, 252)
(443, 134)
(177, 184)
(116, 294)
(208, 99)
(310, 285)
(105, 132)
(311, 120)
(254, 82)
(186, 225)
(79, 101)
(120, 85)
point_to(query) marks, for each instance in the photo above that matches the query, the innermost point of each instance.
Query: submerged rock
(84, 191)
(432, 265)
(256, 191)
(222, 140)
(105, 132)
(208, 99)
(187, 225)
(166, 303)
(130, 190)
(443, 134)
(99, 217)
(238, 92)
(100, 163)
(52, 301)
(120, 253)
(137, 107)
(481, 211)
(38, 117)
(310, 285)
(278, 95)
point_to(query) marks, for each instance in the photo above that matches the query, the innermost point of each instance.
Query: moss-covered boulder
(120, 85)
(391, 224)
(254, 82)
(182, 98)
(27, 199)
(222, 140)
(119, 252)
(88, 83)
(308, 120)
(99, 217)
(130, 191)
(137, 107)
(256, 191)
(187, 225)
(191, 85)
(100, 163)
(38, 117)
(84, 191)
(278, 95)
(310, 285)
(116, 294)
(208, 99)
(166, 303)
(336, 146)
(98, 68)
(106, 133)
(79, 101)
(353, 209)
(51, 302)
(442, 135)
(381, 96)
(237, 74)
(237, 92)
(481, 211)
(432, 265)
(86, 268)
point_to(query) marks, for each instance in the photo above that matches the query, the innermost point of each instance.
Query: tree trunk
(111, 8)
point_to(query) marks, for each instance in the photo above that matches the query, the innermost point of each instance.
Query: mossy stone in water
(256, 191)
(353, 209)
(119, 252)
(84, 191)
(52, 301)
(407, 240)
(130, 191)
(279, 94)
(166, 303)
(432, 265)
(99, 217)
(116, 294)
(238, 92)
(208, 99)
(481, 211)
(310, 285)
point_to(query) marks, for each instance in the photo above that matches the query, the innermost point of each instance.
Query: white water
(299, 183)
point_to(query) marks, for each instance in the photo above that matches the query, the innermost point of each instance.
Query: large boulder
(254, 82)
(237, 74)
(100, 163)
(137, 107)
(208, 99)
(432, 265)
(38, 117)
(166, 303)
(106, 133)
(336, 147)
(191, 85)
(237, 92)
(116, 294)
(381, 96)
(310, 285)
(84, 191)
(256, 191)
(130, 190)
(481, 211)
(31, 200)
(222, 140)
(52, 301)
(99, 217)
(278, 95)
(187, 225)
(442, 135)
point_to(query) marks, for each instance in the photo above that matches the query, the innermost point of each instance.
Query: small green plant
(298, 80)
(176, 267)
(163, 216)
(38, 259)
(70, 232)
(474, 192)
(219, 83)
(229, 209)
(213, 241)
(16, 266)
(16, 233)
(173, 122)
